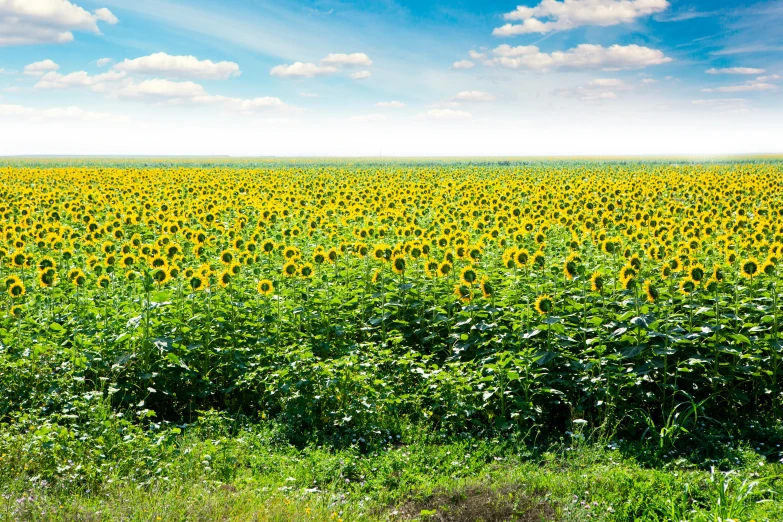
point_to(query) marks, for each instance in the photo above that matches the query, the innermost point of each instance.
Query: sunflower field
(345, 300)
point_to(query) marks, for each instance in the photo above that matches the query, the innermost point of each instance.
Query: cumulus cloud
(444, 114)
(120, 85)
(735, 70)
(341, 59)
(302, 70)
(463, 64)
(768, 78)
(40, 68)
(390, 105)
(103, 62)
(58, 113)
(552, 15)
(328, 65)
(583, 56)
(473, 96)
(369, 118)
(475, 55)
(55, 80)
(162, 64)
(28, 22)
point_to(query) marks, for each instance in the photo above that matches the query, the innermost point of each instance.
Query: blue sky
(525, 77)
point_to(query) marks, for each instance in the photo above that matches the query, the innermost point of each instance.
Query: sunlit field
(334, 336)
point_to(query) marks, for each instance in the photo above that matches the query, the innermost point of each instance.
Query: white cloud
(341, 59)
(361, 75)
(40, 68)
(647, 81)
(369, 117)
(103, 62)
(463, 64)
(162, 64)
(745, 87)
(607, 82)
(735, 70)
(444, 114)
(302, 70)
(27, 22)
(768, 78)
(475, 55)
(57, 113)
(473, 96)
(390, 105)
(568, 14)
(104, 15)
(55, 80)
(583, 56)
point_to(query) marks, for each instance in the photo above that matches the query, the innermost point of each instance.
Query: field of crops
(346, 302)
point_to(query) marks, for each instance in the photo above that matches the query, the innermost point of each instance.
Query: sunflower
(431, 268)
(16, 290)
(651, 292)
(16, 311)
(596, 282)
(319, 257)
(77, 277)
(376, 275)
(103, 282)
(768, 267)
(46, 262)
(538, 259)
(468, 276)
(571, 265)
(266, 287)
(696, 272)
(289, 269)
(626, 272)
(160, 275)
(47, 277)
(463, 292)
(268, 246)
(712, 285)
(750, 268)
(674, 264)
(291, 253)
(224, 278)
(398, 263)
(306, 270)
(717, 273)
(629, 282)
(227, 257)
(198, 282)
(543, 304)
(486, 288)
(687, 286)
(445, 268)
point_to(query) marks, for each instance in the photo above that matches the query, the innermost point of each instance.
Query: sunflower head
(198, 282)
(768, 267)
(487, 290)
(266, 287)
(444, 269)
(596, 282)
(463, 292)
(431, 268)
(687, 286)
(712, 285)
(224, 278)
(398, 263)
(696, 272)
(47, 277)
(468, 276)
(289, 269)
(651, 292)
(306, 271)
(543, 304)
(103, 282)
(16, 290)
(629, 282)
(750, 268)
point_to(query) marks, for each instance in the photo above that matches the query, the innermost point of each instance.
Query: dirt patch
(481, 503)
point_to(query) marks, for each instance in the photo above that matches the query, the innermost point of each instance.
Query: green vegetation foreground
(404, 341)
